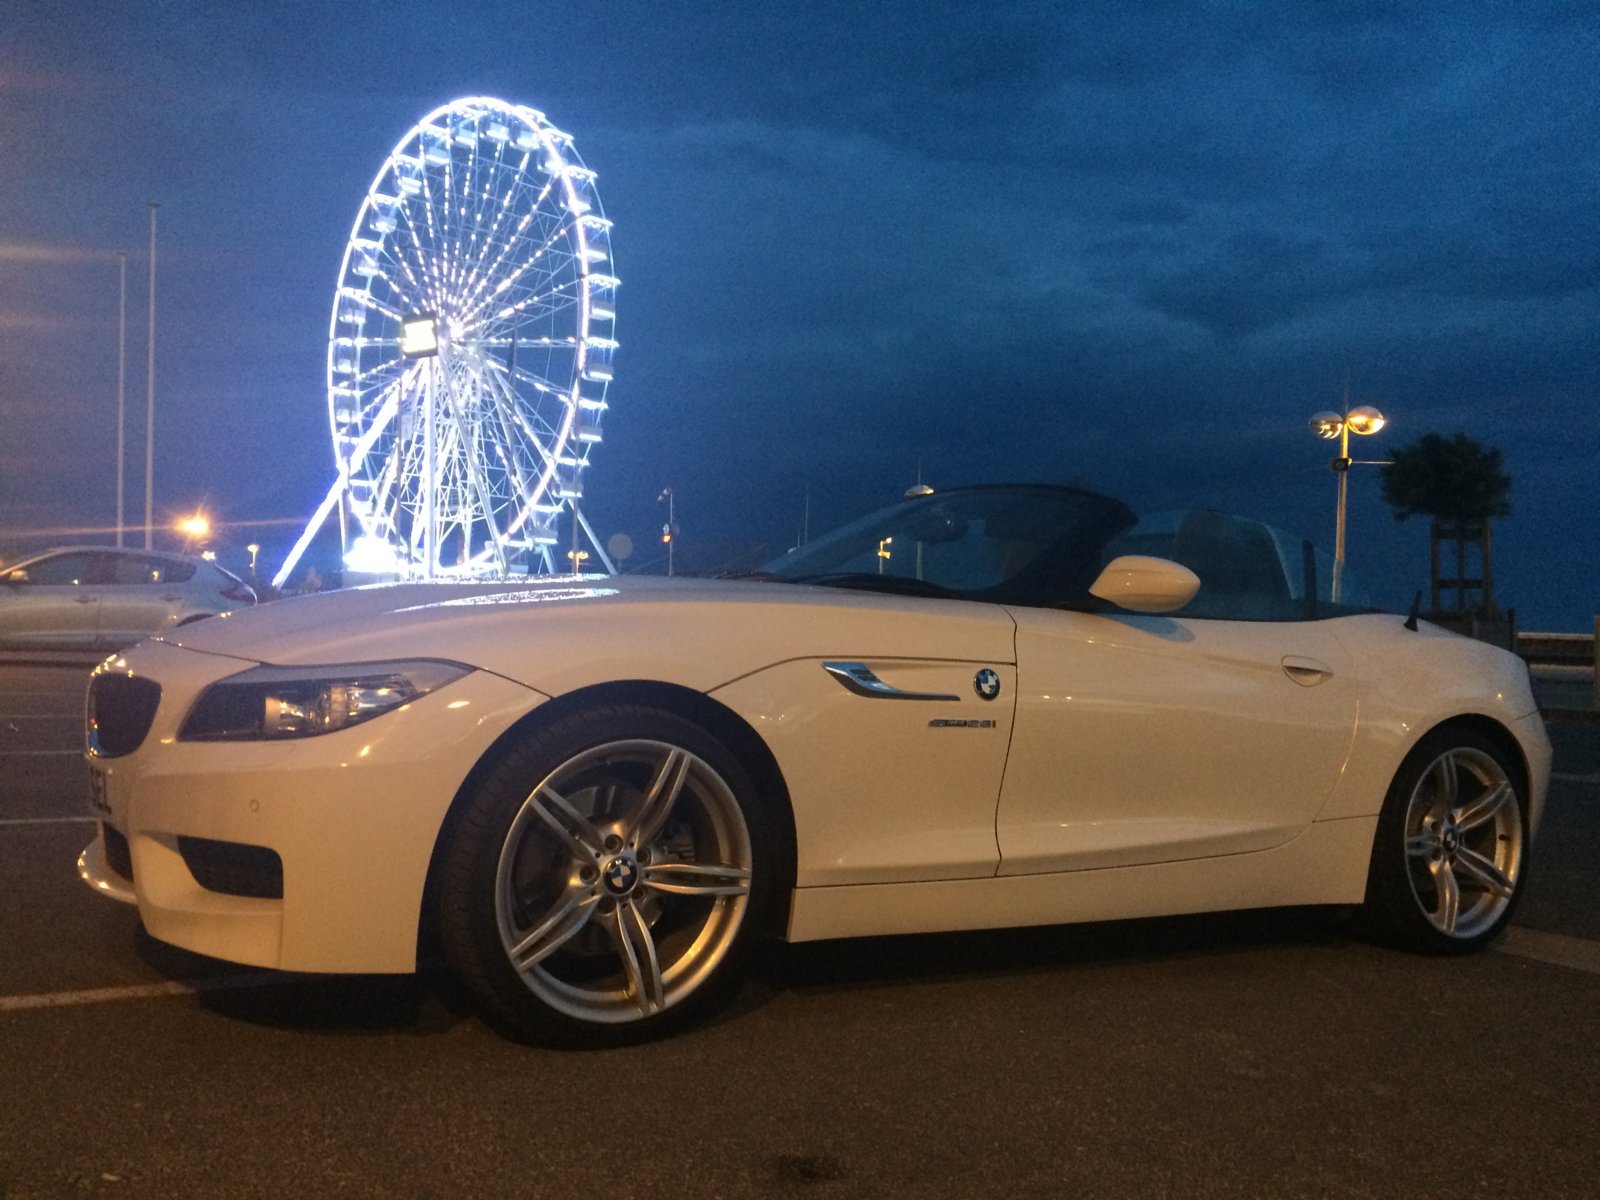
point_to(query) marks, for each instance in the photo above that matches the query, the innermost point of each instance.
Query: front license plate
(97, 793)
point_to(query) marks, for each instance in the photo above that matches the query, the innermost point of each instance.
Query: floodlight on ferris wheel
(471, 342)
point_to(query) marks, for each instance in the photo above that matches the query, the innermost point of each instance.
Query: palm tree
(1461, 486)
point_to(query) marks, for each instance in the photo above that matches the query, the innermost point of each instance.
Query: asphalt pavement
(1255, 1054)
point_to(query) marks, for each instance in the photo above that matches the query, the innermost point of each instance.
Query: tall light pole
(1330, 425)
(669, 531)
(150, 395)
(122, 379)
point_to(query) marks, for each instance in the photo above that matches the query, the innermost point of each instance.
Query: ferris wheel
(470, 346)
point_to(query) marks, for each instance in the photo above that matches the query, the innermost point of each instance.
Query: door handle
(1307, 672)
(84, 599)
(857, 677)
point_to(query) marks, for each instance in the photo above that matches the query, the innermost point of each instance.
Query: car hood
(554, 634)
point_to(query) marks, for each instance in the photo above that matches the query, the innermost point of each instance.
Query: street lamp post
(669, 531)
(122, 381)
(150, 394)
(1329, 425)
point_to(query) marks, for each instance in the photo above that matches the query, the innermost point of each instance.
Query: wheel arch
(1494, 731)
(1391, 906)
(714, 717)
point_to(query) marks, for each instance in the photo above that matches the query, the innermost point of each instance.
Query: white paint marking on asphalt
(1567, 778)
(1581, 954)
(47, 820)
(144, 991)
(93, 996)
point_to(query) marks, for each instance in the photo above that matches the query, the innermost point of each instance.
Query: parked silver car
(82, 596)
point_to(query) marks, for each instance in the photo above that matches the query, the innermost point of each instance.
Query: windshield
(1018, 545)
(1043, 546)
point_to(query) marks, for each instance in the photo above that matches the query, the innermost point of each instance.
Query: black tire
(1450, 859)
(599, 843)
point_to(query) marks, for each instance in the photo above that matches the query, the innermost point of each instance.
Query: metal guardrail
(1557, 649)
(1569, 656)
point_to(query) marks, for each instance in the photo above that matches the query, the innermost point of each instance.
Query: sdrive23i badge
(986, 683)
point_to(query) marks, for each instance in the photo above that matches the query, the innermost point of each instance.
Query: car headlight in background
(271, 703)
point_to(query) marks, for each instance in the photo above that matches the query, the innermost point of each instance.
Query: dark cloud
(1134, 245)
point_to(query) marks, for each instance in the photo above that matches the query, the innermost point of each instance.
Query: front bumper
(353, 816)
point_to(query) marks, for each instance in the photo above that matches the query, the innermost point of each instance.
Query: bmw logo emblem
(620, 875)
(987, 684)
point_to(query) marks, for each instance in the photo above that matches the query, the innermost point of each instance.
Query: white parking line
(47, 821)
(93, 996)
(144, 991)
(1581, 954)
(1593, 777)
(147, 991)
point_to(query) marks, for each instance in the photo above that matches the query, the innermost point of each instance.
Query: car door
(139, 595)
(1142, 739)
(54, 604)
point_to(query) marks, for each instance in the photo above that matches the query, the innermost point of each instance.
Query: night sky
(1131, 246)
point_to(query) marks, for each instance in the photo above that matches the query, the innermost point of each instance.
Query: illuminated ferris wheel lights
(466, 376)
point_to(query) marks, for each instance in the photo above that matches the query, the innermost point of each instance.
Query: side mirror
(1145, 584)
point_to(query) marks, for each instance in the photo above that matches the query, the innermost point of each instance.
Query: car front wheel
(1449, 861)
(604, 877)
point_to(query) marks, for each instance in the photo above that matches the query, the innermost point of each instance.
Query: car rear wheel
(604, 877)
(1450, 858)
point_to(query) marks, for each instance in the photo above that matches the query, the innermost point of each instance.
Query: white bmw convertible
(985, 707)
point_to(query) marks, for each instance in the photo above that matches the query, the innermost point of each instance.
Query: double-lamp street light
(1330, 425)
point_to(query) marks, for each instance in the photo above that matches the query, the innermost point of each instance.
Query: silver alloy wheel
(623, 881)
(1464, 842)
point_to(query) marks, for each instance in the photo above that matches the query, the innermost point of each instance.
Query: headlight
(268, 703)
